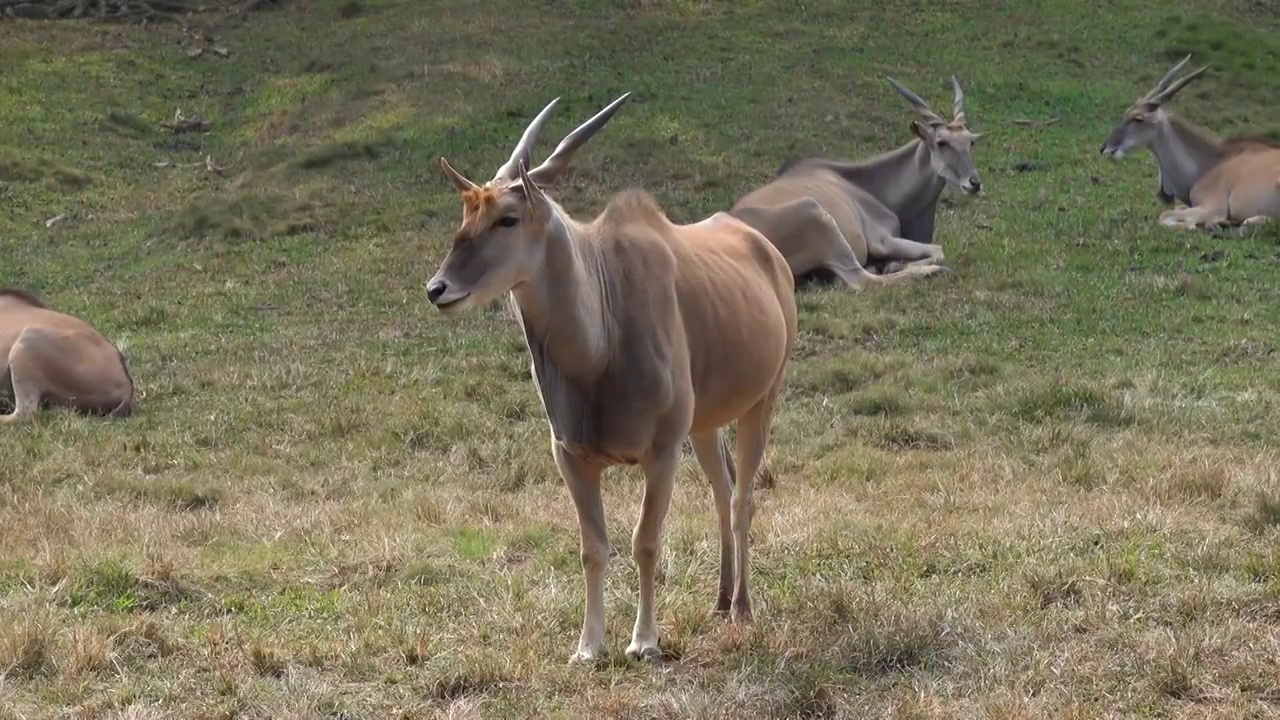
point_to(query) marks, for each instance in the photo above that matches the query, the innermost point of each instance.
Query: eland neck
(1184, 153)
(562, 309)
(903, 179)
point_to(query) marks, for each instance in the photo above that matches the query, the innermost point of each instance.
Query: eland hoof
(720, 611)
(644, 652)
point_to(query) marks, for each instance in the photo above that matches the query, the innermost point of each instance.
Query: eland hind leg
(21, 379)
(1247, 225)
(809, 238)
(713, 458)
(583, 481)
(753, 438)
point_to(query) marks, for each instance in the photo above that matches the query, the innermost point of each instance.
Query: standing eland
(1232, 182)
(838, 215)
(52, 358)
(641, 332)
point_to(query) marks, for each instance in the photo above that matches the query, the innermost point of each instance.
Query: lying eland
(838, 216)
(1236, 182)
(642, 332)
(52, 358)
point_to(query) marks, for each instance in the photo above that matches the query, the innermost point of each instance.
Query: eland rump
(642, 333)
(52, 358)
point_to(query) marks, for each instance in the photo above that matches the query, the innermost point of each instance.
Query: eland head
(505, 222)
(1140, 124)
(950, 142)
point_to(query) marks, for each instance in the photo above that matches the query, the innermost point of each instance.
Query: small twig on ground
(1025, 122)
(208, 164)
(55, 220)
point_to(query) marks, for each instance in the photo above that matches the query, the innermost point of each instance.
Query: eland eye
(507, 221)
(943, 143)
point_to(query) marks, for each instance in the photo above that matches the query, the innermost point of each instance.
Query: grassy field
(1043, 486)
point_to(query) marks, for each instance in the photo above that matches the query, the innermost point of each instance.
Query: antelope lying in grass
(1236, 182)
(642, 332)
(838, 215)
(52, 358)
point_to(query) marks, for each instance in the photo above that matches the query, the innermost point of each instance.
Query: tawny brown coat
(642, 333)
(52, 358)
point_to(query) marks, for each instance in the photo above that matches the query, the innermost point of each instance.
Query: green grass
(1043, 486)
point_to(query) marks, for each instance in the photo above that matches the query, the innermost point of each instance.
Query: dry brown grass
(910, 591)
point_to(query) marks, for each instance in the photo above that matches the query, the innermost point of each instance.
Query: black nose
(1102, 150)
(435, 290)
(977, 184)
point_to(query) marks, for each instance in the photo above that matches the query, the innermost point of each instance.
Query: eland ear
(922, 131)
(532, 193)
(459, 182)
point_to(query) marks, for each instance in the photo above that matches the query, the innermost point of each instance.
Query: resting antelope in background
(838, 215)
(52, 358)
(1236, 182)
(642, 332)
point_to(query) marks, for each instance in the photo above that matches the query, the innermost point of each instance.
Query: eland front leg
(907, 252)
(646, 546)
(583, 480)
(1192, 218)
